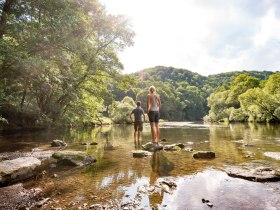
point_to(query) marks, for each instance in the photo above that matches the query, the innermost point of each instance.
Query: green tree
(56, 55)
(240, 85)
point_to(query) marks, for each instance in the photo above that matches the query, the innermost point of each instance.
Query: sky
(203, 36)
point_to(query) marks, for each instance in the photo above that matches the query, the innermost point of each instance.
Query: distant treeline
(227, 96)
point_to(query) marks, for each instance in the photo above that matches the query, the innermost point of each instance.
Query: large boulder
(259, 174)
(204, 155)
(17, 169)
(73, 158)
(152, 147)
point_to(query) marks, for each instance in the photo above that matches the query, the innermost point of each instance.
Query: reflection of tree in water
(161, 166)
(108, 145)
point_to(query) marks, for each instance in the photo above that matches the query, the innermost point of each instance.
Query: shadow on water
(117, 176)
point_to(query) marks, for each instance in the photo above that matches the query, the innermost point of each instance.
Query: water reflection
(117, 174)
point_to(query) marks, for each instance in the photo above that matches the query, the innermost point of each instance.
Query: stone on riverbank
(140, 153)
(204, 155)
(259, 174)
(58, 143)
(152, 147)
(73, 158)
(17, 197)
(17, 169)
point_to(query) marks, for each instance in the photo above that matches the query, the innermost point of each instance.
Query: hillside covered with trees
(59, 66)
(188, 96)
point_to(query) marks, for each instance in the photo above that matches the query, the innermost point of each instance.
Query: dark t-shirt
(138, 112)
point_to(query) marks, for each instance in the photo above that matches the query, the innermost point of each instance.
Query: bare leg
(138, 135)
(153, 130)
(135, 135)
(156, 133)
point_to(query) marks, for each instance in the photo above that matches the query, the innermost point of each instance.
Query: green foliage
(247, 99)
(58, 59)
(119, 111)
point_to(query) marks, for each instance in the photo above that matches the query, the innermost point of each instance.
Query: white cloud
(203, 36)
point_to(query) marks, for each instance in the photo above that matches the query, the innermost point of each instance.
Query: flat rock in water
(204, 155)
(259, 174)
(73, 158)
(274, 155)
(17, 197)
(152, 147)
(36, 154)
(17, 169)
(141, 153)
(174, 147)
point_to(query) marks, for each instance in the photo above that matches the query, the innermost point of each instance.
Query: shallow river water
(117, 178)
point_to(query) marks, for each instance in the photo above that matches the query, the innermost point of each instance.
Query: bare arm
(148, 103)
(159, 102)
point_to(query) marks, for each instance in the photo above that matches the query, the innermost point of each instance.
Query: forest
(59, 66)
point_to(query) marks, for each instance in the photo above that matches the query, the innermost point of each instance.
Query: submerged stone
(204, 155)
(73, 158)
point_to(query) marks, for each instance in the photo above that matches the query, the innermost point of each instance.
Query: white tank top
(154, 104)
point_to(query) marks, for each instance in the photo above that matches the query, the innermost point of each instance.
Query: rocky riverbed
(192, 167)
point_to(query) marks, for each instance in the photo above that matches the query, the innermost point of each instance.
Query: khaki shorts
(138, 126)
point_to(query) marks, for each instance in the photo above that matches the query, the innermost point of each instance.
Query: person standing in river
(153, 106)
(139, 118)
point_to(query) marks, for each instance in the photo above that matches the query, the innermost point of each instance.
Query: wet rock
(141, 153)
(152, 147)
(248, 145)
(166, 184)
(58, 143)
(42, 202)
(96, 206)
(249, 154)
(73, 158)
(174, 147)
(208, 203)
(274, 155)
(42, 155)
(17, 169)
(89, 143)
(204, 155)
(17, 197)
(259, 174)
(188, 149)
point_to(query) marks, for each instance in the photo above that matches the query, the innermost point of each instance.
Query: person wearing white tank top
(153, 106)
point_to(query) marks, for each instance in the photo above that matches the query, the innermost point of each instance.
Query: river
(117, 178)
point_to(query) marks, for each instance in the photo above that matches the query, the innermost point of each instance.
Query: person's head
(152, 89)
(138, 103)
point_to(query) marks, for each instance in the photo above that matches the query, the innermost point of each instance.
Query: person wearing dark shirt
(139, 118)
